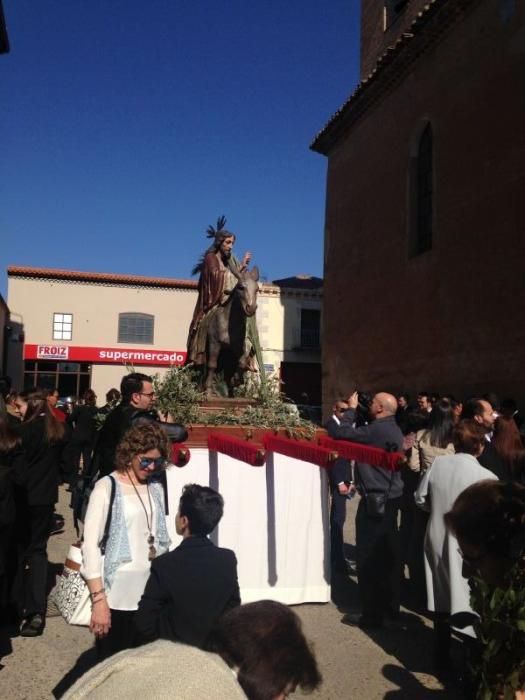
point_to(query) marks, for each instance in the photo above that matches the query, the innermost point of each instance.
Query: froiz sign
(53, 352)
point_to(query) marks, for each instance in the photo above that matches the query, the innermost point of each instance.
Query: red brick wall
(452, 319)
(375, 39)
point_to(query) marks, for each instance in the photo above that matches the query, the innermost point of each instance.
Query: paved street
(383, 664)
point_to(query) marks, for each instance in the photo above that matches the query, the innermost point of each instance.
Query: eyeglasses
(341, 410)
(142, 393)
(158, 463)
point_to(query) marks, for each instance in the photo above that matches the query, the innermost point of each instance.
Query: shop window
(71, 378)
(421, 194)
(62, 326)
(310, 328)
(135, 328)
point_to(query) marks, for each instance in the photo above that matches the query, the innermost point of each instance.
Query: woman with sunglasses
(137, 534)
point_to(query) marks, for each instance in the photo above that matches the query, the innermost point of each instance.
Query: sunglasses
(159, 463)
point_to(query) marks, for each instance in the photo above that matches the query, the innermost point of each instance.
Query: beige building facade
(79, 330)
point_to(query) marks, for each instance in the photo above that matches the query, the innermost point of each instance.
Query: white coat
(447, 590)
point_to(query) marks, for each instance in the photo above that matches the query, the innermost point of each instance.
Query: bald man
(377, 537)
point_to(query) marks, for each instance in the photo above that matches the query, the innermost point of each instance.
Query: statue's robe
(216, 283)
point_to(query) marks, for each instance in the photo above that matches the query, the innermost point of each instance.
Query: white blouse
(130, 578)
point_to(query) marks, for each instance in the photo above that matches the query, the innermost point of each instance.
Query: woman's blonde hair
(138, 440)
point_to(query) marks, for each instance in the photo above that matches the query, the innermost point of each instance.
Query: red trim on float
(238, 449)
(301, 449)
(375, 456)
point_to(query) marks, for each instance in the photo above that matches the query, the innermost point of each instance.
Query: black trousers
(32, 575)
(378, 561)
(74, 452)
(122, 634)
(337, 521)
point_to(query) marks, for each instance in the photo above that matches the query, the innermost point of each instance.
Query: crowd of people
(438, 519)
(160, 615)
(452, 518)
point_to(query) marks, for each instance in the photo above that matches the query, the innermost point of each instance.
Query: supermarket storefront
(73, 369)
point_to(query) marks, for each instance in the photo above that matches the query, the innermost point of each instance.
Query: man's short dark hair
(202, 506)
(112, 396)
(132, 384)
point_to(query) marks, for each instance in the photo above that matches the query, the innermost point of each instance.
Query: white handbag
(71, 594)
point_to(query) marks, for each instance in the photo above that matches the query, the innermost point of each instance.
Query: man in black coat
(377, 536)
(192, 586)
(340, 476)
(137, 398)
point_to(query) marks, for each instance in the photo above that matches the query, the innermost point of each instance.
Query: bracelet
(95, 593)
(94, 602)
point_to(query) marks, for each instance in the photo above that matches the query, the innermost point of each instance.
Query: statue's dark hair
(218, 233)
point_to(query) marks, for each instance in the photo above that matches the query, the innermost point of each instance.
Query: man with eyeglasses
(137, 401)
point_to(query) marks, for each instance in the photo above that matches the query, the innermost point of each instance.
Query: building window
(310, 328)
(135, 328)
(62, 326)
(70, 378)
(421, 194)
(392, 10)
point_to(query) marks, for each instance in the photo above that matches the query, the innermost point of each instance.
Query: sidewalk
(383, 664)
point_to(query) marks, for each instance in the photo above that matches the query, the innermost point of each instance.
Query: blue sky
(128, 126)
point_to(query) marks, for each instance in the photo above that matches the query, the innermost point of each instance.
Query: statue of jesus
(219, 274)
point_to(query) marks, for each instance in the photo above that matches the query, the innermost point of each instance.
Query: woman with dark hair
(508, 450)
(137, 535)
(257, 651)
(488, 520)
(447, 591)
(83, 421)
(264, 643)
(13, 474)
(42, 440)
(435, 440)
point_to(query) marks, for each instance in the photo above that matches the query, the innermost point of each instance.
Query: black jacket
(43, 462)
(13, 473)
(187, 591)
(341, 470)
(115, 425)
(383, 433)
(85, 427)
(113, 428)
(492, 460)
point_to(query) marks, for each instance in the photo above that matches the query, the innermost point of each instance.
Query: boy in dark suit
(192, 586)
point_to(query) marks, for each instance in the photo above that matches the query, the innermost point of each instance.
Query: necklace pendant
(151, 539)
(152, 552)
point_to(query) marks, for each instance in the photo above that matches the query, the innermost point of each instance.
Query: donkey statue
(228, 337)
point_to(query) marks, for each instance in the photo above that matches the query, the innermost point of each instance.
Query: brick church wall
(451, 319)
